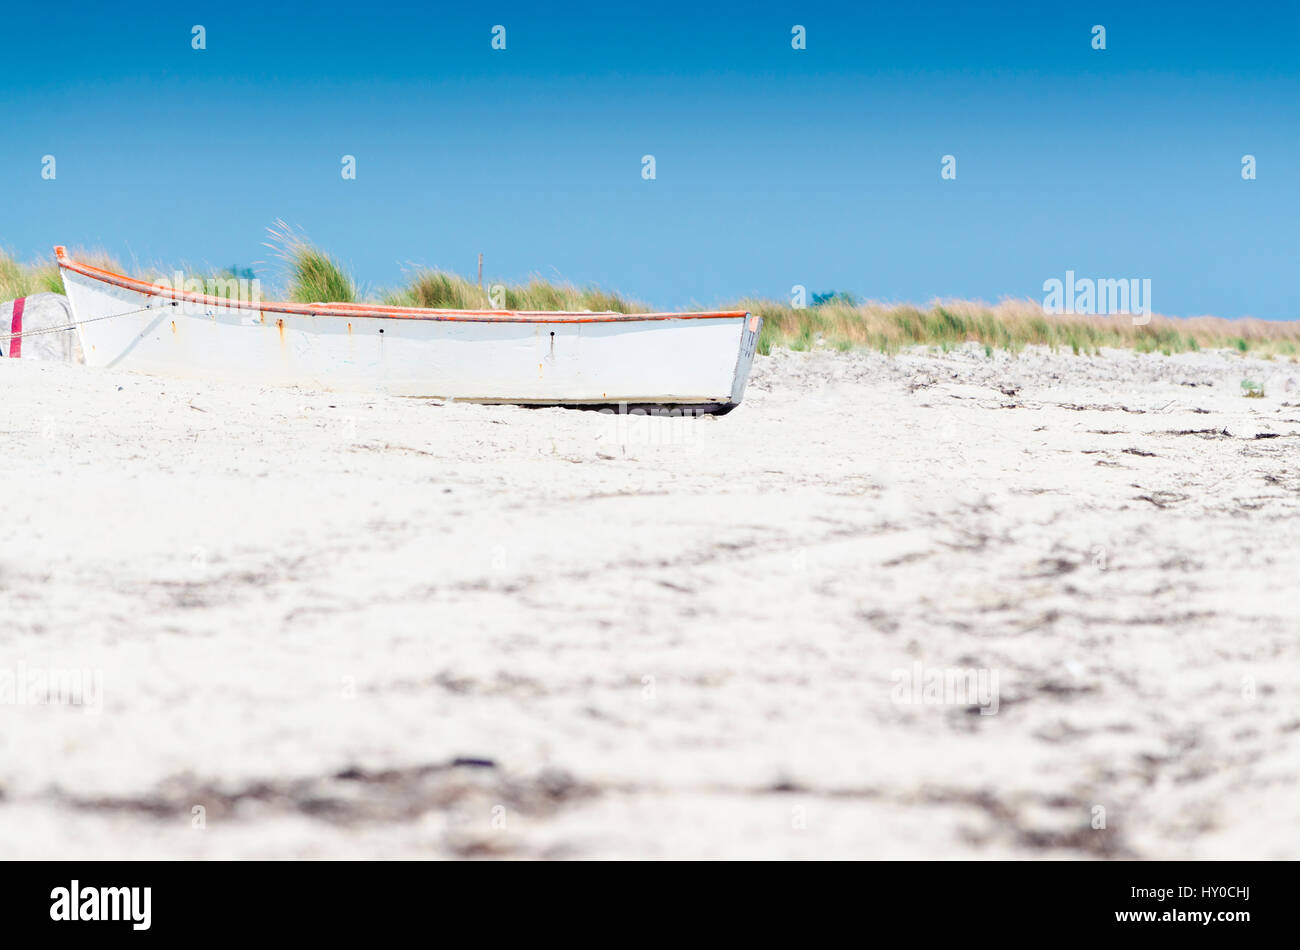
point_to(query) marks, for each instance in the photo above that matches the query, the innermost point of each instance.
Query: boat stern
(751, 328)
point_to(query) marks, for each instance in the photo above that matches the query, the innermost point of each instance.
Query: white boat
(696, 360)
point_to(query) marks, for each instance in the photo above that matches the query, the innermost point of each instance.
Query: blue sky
(774, 167)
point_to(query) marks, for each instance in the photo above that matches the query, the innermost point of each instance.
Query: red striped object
(16, 328)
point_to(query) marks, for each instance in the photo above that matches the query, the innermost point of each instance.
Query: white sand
(675, 642)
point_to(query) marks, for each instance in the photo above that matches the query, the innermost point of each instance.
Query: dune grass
(313, 276)
(540, 294)
(446, 291)
(23, 280)
(437, 290)
(835, 321)
(1009, 325)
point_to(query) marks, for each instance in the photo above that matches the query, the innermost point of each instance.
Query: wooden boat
(695, 360)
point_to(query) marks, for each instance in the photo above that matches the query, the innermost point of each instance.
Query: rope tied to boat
(23, 334)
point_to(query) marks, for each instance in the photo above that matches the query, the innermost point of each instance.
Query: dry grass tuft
(313, 276)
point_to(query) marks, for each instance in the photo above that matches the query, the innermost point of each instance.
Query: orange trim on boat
(393, 313)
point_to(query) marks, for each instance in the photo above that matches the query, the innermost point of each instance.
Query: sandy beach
(340, 626)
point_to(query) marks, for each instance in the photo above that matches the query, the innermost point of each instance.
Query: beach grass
(1009, 325)
(23, 280)
(835, 321)
(541, 294)
(313, 276)
(442, 290)
(437, 290)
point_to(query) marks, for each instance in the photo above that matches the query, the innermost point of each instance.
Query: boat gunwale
(353, 310)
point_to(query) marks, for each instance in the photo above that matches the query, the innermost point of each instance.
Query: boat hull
(694, 360)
